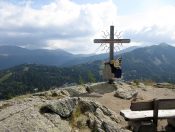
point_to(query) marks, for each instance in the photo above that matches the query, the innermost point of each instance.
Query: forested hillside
(31, 78)
(150, 63)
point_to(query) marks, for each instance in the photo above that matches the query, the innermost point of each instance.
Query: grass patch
(136, 82)
(148, 82)
(5, 77)
(3, 106)
(26, 95)
(78, 119)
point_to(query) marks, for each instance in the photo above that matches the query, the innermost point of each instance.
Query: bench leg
(141, 126)
(171, 122)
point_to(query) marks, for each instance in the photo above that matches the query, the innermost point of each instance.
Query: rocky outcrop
(74, 108)
(96, 117)
(125, 92)
(35, 113)
(65, 109)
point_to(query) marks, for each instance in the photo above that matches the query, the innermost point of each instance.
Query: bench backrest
(150, 105)
(154, 105)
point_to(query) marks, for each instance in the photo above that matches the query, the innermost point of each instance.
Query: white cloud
(71, 26)
(61, 21)
(151, 27)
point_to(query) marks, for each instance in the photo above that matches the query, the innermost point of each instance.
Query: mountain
(13, 50)
(155, 63)
(152, 63)
(12, 55)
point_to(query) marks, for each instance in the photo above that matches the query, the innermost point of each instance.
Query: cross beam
(111, 41)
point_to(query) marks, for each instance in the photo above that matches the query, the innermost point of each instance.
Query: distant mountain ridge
(12, 56)
(155, 62)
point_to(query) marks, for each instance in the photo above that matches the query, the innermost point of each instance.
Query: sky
(73, 24)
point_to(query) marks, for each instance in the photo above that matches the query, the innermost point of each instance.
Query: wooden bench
(150, 111)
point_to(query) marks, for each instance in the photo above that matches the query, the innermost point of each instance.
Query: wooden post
(111, 53)
(155, 113)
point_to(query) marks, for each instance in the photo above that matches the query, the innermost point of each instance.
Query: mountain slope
(11, 56)
(155, 63)
(30, 78)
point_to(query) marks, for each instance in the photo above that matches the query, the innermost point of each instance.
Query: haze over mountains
(12, 55)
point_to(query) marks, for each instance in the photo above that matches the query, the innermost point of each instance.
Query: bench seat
(130, 115)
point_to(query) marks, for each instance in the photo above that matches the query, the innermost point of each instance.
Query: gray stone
(101, 87)
(142, 86)
(91, 121)
(126, 92)
(110, 127)
(60, 124)
(75, 91)
(63, 107)
(88, 106)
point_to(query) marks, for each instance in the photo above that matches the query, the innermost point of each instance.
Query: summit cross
(111, 41)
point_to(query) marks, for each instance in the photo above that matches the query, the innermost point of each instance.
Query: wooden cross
(111, 41)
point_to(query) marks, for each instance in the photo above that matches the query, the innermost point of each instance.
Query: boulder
(125, 92)
(61, 125)
(100, 88)
(75, 91)
(142, 86)
(63, 107)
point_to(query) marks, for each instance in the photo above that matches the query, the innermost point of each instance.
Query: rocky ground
(90, 107)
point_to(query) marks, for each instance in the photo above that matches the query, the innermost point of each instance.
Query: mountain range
(153, 63)
(12, 56)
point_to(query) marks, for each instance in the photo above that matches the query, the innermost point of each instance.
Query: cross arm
(112, 40)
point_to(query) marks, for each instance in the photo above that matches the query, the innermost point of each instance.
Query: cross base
(111, 81)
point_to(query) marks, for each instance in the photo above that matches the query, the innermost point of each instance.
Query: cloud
(152, 35)
(71, 26)
(151, 27)
(61, 23)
